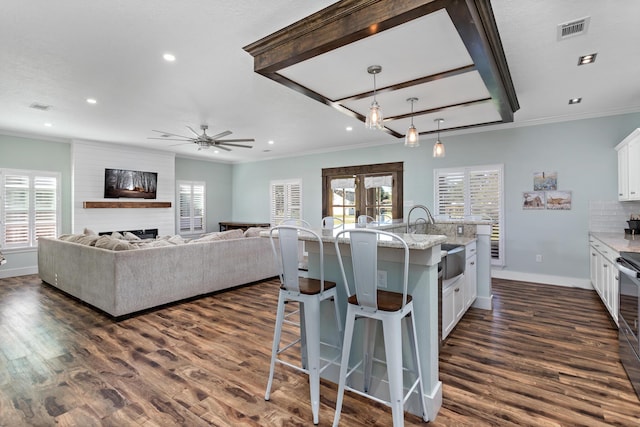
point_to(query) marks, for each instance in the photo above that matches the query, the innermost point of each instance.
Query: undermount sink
(453, 260)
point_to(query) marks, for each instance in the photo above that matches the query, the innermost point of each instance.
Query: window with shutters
(474, 192)
(373, 190)
(191, 215)
(29, 207)
(286, 200)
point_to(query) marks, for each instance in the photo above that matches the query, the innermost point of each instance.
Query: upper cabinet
(629, 167)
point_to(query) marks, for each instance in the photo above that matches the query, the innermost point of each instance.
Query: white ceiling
(59, 53)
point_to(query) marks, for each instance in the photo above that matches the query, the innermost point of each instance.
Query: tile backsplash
(611, 216)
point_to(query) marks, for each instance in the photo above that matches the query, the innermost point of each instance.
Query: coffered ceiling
(58, 54)
(445, 53)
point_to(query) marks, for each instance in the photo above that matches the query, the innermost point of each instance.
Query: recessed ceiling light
(169, 57)
(587, 59)
(216, 151)
(349, 128)
(271, 142)
(91, 101)
(575, 101)
(48, 125)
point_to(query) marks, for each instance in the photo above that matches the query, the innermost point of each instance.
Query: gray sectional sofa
(120, 282)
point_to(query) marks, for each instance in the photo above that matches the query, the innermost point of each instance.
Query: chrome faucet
(430, 219)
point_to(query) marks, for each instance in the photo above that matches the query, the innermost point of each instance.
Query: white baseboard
(484, 303)
(545, 279)
(13, 272)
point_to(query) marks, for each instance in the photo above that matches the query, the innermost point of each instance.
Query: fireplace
(149, 233)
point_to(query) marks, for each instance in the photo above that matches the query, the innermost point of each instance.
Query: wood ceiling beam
(348, 21)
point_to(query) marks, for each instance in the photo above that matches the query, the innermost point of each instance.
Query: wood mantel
(95, 205)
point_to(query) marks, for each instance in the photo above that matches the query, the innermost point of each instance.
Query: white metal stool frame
(309, 293)
(366, 302)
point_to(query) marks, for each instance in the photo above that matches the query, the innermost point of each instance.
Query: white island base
(423, 286)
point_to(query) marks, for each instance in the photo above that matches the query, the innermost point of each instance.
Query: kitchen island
(424, 257)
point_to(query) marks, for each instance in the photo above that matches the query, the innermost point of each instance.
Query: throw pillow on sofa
(108, 242)
(255, 231)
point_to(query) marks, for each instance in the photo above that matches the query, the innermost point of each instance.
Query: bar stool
(309, 293)
(373, 305)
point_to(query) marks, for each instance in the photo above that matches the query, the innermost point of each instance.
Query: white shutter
(192, 201)
(16, 210)
(477, 192)
(450, 193)
(45, 206)
(286, 200)
(198, 198)
(30, 207)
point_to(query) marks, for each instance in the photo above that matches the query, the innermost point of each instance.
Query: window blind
(473, 193)
(286, 200)
(192, 207)
(30, 207)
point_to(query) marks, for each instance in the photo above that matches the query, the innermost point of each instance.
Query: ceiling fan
(203, 140)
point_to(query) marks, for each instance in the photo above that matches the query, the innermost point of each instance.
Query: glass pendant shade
(374, 118)
(412, 138)
(438, 149)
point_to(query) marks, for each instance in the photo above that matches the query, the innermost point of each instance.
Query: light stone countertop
(620, 242)
(414, 241)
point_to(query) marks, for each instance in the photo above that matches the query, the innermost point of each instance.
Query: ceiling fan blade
(184, 143)
(171, 134)
(222, 148)
(171, 139)
(236, 140)
(193, 131)
(221, 134)
(220, 143)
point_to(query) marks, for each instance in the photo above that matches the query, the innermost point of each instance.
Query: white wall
(88, 162)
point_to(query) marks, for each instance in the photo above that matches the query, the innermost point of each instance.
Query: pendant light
(438, 148)
(374, 118)
(412, 138)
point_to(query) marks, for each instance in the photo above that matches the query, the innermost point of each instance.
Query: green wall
(33, 154)
(217, 177)
(580, 151)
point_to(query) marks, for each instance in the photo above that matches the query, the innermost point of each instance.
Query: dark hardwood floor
(545, 356)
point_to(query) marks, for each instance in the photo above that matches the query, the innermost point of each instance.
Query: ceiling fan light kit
(204, 141)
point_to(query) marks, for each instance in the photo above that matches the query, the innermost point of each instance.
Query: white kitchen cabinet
(629, 167)
(470, 276)
(452, 304)
(604, 274)
(459, 293)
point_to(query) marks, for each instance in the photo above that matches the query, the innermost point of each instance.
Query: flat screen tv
(126, 183)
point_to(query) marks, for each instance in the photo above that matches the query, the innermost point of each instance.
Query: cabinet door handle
(457, 290)
(605, 265)
(473, 263)
(619, 194)
(632, 192)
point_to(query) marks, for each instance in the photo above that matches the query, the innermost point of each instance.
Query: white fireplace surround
(90, 159)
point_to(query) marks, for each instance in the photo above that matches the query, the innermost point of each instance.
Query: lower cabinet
(452, 304)
(604, 274)
(459, 293)
(470, 276)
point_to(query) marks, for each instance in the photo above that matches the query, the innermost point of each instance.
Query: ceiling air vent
(40, 107)
(573, 28)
